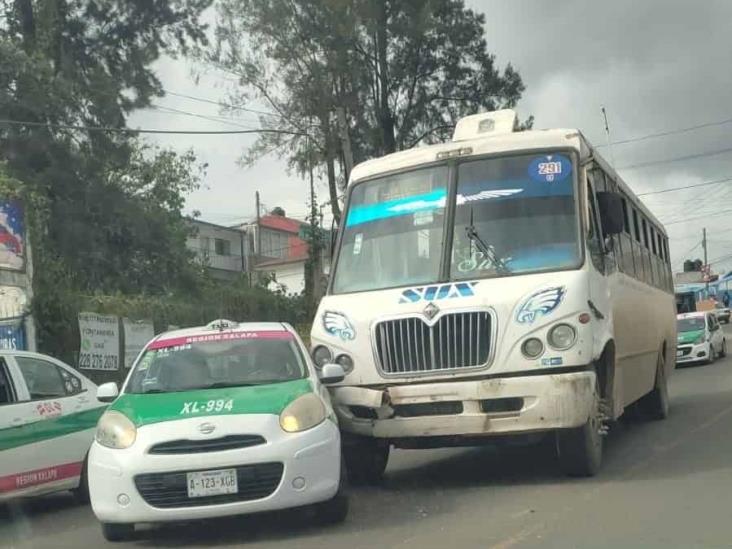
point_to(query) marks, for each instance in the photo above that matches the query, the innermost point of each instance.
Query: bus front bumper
(498, 406)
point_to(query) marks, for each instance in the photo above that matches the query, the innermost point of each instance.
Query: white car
(700, 338)
(48, 412)
(218, 420)
(722, 312)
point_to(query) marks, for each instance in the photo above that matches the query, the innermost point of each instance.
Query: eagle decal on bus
(540, 304)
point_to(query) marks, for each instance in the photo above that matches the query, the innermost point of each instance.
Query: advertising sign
(99, 349)
(137, 334)
(12, 235)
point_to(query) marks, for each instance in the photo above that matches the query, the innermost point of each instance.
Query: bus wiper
(487, 251)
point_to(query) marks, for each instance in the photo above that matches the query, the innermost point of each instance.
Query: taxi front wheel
(117, 532)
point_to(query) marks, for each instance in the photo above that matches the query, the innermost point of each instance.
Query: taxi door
(47, 429)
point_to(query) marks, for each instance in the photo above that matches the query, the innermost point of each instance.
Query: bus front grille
(412, 346)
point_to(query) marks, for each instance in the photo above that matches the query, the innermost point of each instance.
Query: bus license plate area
(212, 483)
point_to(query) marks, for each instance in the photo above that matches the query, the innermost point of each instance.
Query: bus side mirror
(611, 212)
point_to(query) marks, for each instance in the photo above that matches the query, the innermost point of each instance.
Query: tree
(111, 216)
(403, 71)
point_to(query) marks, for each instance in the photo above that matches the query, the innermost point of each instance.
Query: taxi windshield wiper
(488, 251)
(222, 384)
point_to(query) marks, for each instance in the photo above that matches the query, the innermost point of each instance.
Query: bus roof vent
(485, 124)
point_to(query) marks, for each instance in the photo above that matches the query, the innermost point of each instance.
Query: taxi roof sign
(222, 324)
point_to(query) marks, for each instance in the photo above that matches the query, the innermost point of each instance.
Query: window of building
(222, 247)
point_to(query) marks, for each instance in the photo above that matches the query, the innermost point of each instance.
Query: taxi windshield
(187, 364)
(690, 324)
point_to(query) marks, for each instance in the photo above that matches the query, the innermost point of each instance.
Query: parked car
(48, 412)
(722, 312)
(218, 420)
(700, 338)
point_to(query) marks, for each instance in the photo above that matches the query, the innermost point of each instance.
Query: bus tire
(113, 531)
(655, 405)
(365, 458)
(580, 450)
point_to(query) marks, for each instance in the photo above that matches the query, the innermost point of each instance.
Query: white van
(504, 283)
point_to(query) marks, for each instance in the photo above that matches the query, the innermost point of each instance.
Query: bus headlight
(115, 430)
(303, 413)
(532, 347)
(562, 337)
(345, 362)
(322, 356)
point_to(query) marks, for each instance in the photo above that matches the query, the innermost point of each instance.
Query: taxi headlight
(303, 413)
(562, 337)
(115, 430)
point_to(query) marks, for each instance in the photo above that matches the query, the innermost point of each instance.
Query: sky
(657, 66)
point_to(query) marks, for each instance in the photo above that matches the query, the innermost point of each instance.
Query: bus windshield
(514, 214)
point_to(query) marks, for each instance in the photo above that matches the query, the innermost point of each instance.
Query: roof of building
(281, 223)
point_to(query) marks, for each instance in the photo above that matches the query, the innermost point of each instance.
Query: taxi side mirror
(332, 373)
(107, 392)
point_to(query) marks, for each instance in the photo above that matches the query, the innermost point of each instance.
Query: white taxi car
(700, 338)
(48, 412)
(218, 420)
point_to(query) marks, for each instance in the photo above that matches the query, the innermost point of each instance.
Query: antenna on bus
(607, 134)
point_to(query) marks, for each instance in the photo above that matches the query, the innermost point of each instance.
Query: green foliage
(59, 333)
(404, 72)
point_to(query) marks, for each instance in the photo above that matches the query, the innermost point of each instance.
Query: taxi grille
(170, 490)
(407, 346)
(232, 442)
(684, 350)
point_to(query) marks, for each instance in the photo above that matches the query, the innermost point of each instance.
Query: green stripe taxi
(218, 420)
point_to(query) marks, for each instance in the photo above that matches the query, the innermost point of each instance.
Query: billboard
(12, 235)
(99, 349)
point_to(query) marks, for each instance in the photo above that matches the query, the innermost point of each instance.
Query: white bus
(505, 283)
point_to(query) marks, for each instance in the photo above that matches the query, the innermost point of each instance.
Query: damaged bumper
(498, 406)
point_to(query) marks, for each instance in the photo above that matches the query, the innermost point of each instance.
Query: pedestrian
(725, 299)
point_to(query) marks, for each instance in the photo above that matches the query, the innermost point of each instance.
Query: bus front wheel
(365, 459)
(580, 450)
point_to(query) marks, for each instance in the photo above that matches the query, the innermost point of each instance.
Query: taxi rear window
(217, 360)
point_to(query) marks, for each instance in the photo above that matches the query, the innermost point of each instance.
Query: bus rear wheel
(580, 450)
(655, 404)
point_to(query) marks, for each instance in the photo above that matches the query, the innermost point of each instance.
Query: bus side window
(594, 240)
(627, 240)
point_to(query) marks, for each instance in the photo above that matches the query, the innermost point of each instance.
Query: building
(224, 250)
(272, 246)
(280, 251)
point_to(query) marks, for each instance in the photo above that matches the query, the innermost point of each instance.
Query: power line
(714, 214)
(677, 159)
(716, 181)
(669, 132)
(143, 130)
(221, 120)
(220, 104)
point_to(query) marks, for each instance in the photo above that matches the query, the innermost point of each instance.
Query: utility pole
(706, 267)
(259, 232)
(314, 248)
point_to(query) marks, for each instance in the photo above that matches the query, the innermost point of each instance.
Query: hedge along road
(664, 484)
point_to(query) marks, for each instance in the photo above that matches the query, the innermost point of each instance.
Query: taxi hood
(146, 408)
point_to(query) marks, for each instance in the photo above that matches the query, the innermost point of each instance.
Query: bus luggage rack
(407, 346)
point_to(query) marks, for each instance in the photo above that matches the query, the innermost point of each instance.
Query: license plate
(679, 353)
(212, 483)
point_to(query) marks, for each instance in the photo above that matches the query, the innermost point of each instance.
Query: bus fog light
(322, 356)
(532, 347)
(562, 336)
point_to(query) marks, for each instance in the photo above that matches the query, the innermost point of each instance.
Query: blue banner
(12, 337)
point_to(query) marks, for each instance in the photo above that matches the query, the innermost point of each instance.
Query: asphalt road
(664, 484)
